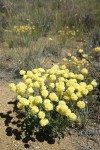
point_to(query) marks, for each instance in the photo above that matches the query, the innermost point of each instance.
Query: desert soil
(12, 139)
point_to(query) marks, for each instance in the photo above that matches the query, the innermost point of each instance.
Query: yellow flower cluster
(56, 90)
(63, 109)
(68, 33)
(23, 28)
(75, 63)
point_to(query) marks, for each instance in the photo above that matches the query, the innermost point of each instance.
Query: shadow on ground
(13, 121)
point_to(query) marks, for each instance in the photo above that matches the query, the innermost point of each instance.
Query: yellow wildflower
(35, 109)
(41, 114)
(80, 104)
(89, 87)
(44, 122)
(52, 85)
(74, 97)
(20, 105)
(53, 97)
(44, 93)
(12, 87)
(68, 112)
(94, 83)
(38, 99)
(24, 101)
(30, 90)
(80, 51)
(84, 71)
(80, 77)
(22, 72)
(48, 106)
(72, 117)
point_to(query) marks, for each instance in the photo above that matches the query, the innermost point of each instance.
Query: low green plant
(55, 99)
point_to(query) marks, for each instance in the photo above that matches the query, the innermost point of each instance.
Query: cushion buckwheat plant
(52, 99)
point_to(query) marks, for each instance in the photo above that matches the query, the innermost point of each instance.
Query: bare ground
(11, 136)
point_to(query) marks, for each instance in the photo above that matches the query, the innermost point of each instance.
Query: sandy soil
(11, 138)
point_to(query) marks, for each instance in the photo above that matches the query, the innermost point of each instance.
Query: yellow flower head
(81, 104)
(50, 39)
(43, 87)
(34, 109)
(20, 105)
(35, 71)
(89, 87)
(41, 114)
(61, 79)
(71, 82)
(80, 51)
(28, 81)
(19, 97)
(38, 99)
(48, 106)
(22, 72)
(84, 91)
(85, 55)
(35, 77)
(21, 88)
(30, 74)
(61, 102)
(52, 77)
(64, 59)
(41, 70)
(46, 101)
(70, 90)
(82, 84)
(84, 71)
(41, 81)
(31, 99)
(78, 94)
(94, 83)
(69, 54)
(80, 77)
(31, 85)
(36, 84)
(71, 75)
(53, 97)
(30, 90)
(76, 86)
(44, 93)
(68, 112)
(12, 87)
(72, 117)
(62, 108)
(24, 101)
(63, 67)
(51, 71)
(44, 122)
(44, 77)
(74, 97)
(51, 85)
(97, 49)
(67, 97)
(25, 77)
(60, 88)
